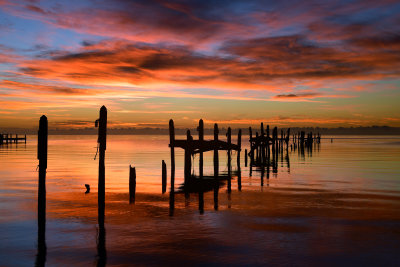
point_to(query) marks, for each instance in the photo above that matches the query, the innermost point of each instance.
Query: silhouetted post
(25, 139)
(239, 143)
(262, 143)
(172, 145)
(201, 139)
(42, 157)
(132, 184)
(238, 159)
(172, 190)
(229, 137)
(102, 141)
(268, 141)
(188, 155)
(287, 138)
(251, 147)
(216, 167)
(257, 146)
(164, 177)
(245, 157)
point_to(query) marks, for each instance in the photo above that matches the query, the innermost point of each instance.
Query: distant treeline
(371, 130)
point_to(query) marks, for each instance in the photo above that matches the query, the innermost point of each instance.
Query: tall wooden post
(229, 137)
(42, 157)
(257, 146)
(102, 141)
(268, 141)
(164, 177)
(188, 156)
(251, 147)
(172, 145)
(216, 167)
(132, 184)
(201, 139)
(245, 157)
(239, 143)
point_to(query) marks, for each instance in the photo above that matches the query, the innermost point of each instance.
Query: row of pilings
(265, 147)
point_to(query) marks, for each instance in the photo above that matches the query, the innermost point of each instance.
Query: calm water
(339, 205)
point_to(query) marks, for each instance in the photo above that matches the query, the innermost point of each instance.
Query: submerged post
(132, 184)
(164, 177)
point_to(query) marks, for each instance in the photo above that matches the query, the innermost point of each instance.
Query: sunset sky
(286, 63)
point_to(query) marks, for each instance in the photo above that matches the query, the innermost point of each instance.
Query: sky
(238, 63)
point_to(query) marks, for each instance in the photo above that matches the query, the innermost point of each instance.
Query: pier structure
(199, 146)
(9, 138)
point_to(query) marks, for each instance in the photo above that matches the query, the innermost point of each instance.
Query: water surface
(337, 204)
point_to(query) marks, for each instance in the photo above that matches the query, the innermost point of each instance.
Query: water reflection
(41, 239)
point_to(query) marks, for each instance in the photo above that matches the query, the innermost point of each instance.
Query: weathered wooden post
(172, 145)
(251, 147)
(262, 144)
(25, 139)
(257, 146)
(164, 177)
(216, 167)
(132, 184)
(229, 137)
(102, 142)
(239, 143)
(42, 157)
(201, 139)
(245, 157)
(268, 141)
(188, 157)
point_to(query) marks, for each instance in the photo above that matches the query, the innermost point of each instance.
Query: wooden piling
(188, 157)
(164, 177)
(172, 145)
(201, 139)
(42, 157)
(239, 142)
(245, 157)
(102, 142)
(216, 168)
(229, 139)
(132, 184)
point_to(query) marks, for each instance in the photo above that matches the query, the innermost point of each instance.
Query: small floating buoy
(87, 188)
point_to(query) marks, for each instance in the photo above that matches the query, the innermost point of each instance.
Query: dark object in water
(87, 188)
(132, 184)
